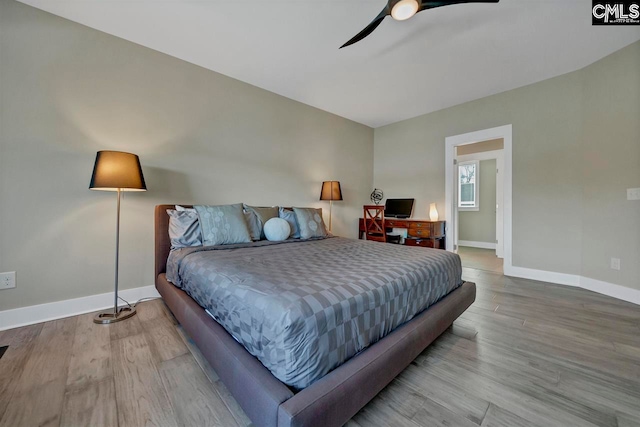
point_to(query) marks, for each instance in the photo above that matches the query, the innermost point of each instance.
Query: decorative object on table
(433, 212)
(376, 196)
(331, 191)
(401, 10)
(277, 230)
(117, 171)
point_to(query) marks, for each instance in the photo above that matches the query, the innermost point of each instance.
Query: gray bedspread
(305, 307)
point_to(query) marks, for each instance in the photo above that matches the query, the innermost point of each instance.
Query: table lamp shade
(331, 191)
(115, 170)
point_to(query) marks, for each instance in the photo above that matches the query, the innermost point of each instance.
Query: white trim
(506, 133)
(615, 291)
(612, 290)
(479, 245)
(57, 310)
(542, 275)
(60, 309)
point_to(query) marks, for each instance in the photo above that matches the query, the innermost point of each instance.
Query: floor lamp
(330, 191)
(117, 171)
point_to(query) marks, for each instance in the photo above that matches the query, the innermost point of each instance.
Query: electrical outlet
(8, 280)
(615, 263)
(633, 193)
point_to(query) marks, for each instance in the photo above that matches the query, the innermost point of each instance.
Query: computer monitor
(398, 208)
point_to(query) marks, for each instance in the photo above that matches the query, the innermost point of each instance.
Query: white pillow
(277, 230)
(183, 209)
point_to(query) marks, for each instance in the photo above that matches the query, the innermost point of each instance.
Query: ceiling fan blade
(425, 4)
(369, 28)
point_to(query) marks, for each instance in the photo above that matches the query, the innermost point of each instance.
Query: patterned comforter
(305, 307)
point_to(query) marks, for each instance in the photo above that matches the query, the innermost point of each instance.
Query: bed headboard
(162, 241)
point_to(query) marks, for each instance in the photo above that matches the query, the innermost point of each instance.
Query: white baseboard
(543, 276)
(616, 291)
(480, 245)
(60, 309)
(17, 317)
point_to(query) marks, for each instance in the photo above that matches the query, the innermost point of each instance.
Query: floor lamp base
(107, 317)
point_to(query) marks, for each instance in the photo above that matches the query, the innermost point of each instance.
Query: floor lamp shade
(331, 191)
(117, 171)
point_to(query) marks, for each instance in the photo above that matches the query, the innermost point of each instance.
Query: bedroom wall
(67, 91)
(547, 189)
(480, 225)
(576, 149)
(611, 164)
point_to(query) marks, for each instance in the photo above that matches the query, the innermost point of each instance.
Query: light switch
(633, 193)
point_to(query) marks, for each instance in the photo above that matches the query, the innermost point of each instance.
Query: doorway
(503, 210)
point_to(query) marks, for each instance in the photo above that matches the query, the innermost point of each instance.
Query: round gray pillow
(277, 230)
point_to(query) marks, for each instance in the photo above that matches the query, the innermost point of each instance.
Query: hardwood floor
(480, 259)
(525, 354)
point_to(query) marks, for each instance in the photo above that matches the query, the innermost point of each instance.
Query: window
(468, 186)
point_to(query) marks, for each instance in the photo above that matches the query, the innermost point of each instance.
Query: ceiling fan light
(404, 9)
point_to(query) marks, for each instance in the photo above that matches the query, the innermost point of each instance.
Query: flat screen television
(398, 208)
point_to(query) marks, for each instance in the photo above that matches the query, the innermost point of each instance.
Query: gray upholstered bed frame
(333, 399)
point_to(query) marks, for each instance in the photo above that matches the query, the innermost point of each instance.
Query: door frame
(506, 133)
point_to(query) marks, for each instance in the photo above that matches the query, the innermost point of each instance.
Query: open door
(500, 206)
(455, 207)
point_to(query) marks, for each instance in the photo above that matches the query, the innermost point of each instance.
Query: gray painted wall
(610, 162)
(576, 148)
(480, 225)
(67, 91)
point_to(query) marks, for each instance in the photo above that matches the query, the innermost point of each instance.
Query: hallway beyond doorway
(481, 259)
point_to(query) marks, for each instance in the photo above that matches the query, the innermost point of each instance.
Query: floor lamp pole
(330, 208)
(115, 302)
(125, 312)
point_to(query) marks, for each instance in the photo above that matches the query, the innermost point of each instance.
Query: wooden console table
(420, 232)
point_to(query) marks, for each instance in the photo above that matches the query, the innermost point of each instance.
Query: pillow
(290, 217)
(254, 225)
(264, 215)
(223, 225)
(183, 209)
(310, 222)
(184, 229)
(277, 230)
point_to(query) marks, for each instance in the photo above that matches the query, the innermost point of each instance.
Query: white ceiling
(439, 58)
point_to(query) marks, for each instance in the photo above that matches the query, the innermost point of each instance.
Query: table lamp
(330, 191)
(117, 171)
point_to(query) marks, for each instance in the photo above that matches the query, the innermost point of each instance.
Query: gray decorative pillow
(254, 225)
(264, 215)
(290, 217)
(223, 225)
(310, 222)
(184, 229)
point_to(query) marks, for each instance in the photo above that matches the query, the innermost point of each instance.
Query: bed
(332, 394)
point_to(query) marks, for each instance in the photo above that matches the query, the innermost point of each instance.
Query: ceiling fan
(401, 10)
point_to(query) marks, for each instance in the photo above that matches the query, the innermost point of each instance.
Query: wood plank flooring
(525, 354)
(480, 259)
